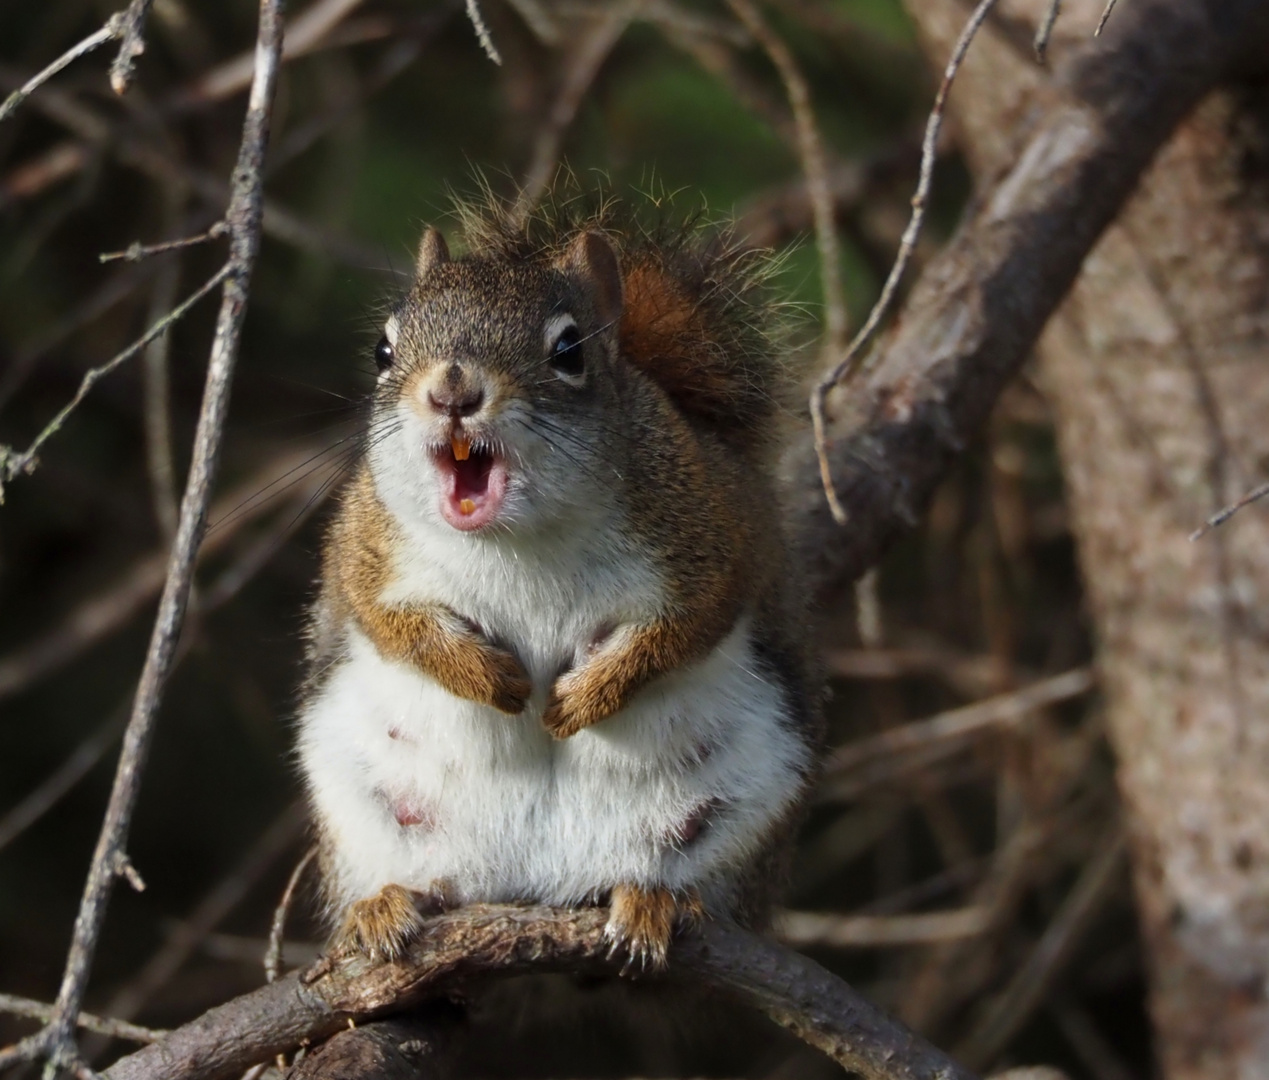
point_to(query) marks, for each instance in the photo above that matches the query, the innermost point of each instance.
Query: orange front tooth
(466, 505)
(461, 445)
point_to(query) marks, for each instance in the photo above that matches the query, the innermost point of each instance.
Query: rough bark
(479, 941)
(1077, 151)
(403, 1048)
(1158, 369)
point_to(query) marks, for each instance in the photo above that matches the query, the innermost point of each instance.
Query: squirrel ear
(432, 252)
(590, 257)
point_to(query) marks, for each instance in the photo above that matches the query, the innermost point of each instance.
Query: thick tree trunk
(1157, 366)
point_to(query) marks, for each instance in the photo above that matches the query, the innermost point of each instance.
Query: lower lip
(486, 506)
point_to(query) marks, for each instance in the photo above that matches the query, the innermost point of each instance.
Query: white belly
(416, 787)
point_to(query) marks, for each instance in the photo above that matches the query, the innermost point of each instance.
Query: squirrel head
(495, 397)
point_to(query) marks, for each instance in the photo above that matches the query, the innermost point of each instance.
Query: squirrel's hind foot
(382, 926)
(641, 923)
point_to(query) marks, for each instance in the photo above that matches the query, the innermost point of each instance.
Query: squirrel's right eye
(566, 355)
(385, 355)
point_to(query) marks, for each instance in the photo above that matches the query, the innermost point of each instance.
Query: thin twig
(1101, 23)
(803, 929)
(585, 59)
(99, 615)
(811, 151)
(482, 32)
(304, 33)
(273, 955)
(115, 1029)
(12, 463)
(188, 934)
(110, 32)
(56, 1041)
(869, 621)
(1045, 30)
(1026, 989)
(1223, 516)
(51, 790)
(156, 396)
(958, 723)
(847, 365)
(222, 589)
(136, 251)
(132, 45)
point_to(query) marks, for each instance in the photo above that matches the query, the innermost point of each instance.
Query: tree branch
(479, 941)
(975, 313)
(56, 1040)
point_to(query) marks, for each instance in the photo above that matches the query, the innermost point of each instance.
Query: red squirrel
(560, 654)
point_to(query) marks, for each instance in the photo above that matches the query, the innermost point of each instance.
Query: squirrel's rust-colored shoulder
(699, 317)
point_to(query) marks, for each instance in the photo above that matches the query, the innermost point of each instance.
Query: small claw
(642, 922)
(380, 927)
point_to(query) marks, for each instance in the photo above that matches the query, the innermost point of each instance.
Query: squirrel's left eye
(385, 355)
(566, 354)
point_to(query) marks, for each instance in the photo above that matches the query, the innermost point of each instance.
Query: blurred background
(962, 868)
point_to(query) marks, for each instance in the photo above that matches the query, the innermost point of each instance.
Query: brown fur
(433, 638)
(695, 411)
(381, 926)
(699, 320)
(643, 921)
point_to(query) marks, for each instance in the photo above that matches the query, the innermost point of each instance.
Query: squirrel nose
(454, 395)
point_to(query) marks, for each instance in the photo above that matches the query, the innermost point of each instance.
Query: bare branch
(185, 938)
(802, 929)
(304, 33)
(109, 32)
(13, 463)
(477, 941)
(136, 251)
(56, 1040)
(131, 30)
(403, 1048)
(1045, 30)
(273, 955)
(847, 365)
(811, 150)
(1101, 23)
(482, 32)
(973, 316)
(1026, 989)
(115, 1029)
(584, 61)
(958, 723)
(99, 615)
(1222, 516)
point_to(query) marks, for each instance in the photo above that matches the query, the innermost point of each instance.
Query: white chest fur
(416, 787)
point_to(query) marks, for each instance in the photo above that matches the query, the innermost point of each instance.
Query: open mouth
(474, 482)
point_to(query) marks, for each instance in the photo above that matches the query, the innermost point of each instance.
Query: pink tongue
(471, 477)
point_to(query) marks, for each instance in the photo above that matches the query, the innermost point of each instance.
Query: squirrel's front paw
(381, 926)
(642, 921)
(477, 670)
(577, 701)
(509, 683)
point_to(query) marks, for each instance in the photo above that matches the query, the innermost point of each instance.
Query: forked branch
(481, 941)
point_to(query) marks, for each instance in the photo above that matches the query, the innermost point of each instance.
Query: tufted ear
(590, 258)
(432, 252)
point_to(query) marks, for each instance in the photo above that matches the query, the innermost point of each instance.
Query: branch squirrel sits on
(559, 654)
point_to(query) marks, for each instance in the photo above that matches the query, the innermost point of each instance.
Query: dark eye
(385, 355)
(566, 354)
